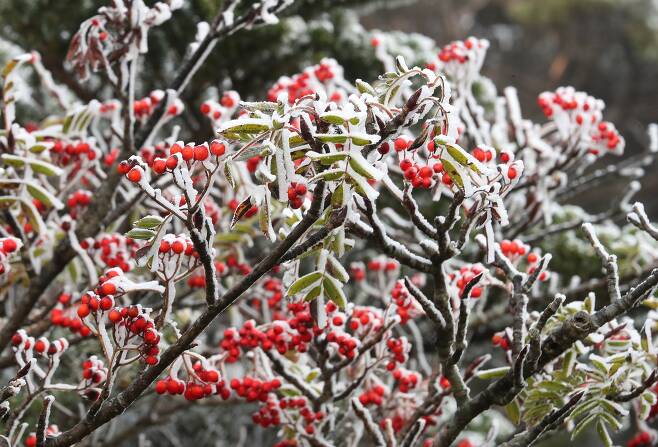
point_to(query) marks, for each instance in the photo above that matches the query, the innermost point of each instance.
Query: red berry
(114, 316)
(83, 310)
(9, 245)
(217, 148)
(123, 167)
(178, 247)
(512, 173)
(159, 165)
(200, 153)
(135, 175)
(108, 288)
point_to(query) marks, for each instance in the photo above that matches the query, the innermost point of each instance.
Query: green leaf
(333, 118)
(327, 159)
(334, 290)
(361, 165)
(149, 222)
(462, 157)
(313, 294)
(364, 87)
(304, 282)
(603, 434)
(312, 375)
(38, 166)
(338, 195)
(494, 373)
(453, 172)
(44, 196)
(331, 138)
(513, 412)
(140, 234)
(245, 125)
(329, 175)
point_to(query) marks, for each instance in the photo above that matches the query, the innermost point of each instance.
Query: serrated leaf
(262, 106)
(364, 139)
(228, 174)
(304, 283)
(265, 219)
(583, 424)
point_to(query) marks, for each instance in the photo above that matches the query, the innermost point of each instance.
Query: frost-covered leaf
(304, 283)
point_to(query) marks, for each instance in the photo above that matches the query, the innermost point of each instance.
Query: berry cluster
(461, 278)
(502, 339)
(177, 245)
(93, 371)
(136, 322)
(225, 108)
(424, 176)
(269, 414)
(24, 343)
(407, 380)
(72, 153)
(405, 305)
(399, 349)
(382, 264)
(462, 51)
(64, 315)
(51, 432)
(198, 280)
(296, 194)
(131, 169)
(373, 396)
(78, 201)
(301, 406)
(575, 111)
(113, 250)
(310, 81)
(254, 389)
(515, 251)
(145, 107)
(102, 297)
(642, 439)
(204, 383)
(365, 319)
(347, 345)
